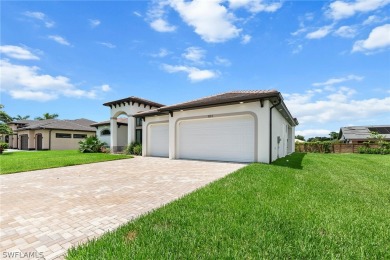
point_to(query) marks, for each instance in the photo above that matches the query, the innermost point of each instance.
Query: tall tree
(4, 119)
(300, 137)
(47, 116)
(334, 135)
(19, 117)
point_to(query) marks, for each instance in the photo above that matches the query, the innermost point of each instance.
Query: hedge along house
(127, 107)
(239, 126)
(50, 134)
(103, 132)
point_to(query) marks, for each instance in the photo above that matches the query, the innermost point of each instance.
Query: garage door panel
(158, 140)
(222, 139)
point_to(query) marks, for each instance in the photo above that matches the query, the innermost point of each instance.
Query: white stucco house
(237, 126)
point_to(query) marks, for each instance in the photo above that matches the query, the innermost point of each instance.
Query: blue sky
(329, 59)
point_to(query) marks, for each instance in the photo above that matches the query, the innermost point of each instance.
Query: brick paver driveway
(47, 211)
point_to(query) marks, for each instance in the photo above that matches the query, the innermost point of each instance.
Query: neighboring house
(361, 134)
(50, 134)
(240, 126)
(103, 132)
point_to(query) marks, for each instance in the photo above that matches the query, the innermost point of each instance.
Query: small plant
(91, 145)
(134, 148)
(3, 146)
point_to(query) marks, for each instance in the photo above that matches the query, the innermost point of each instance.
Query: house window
(138, 136)
(138, 121)
(62, 135)
(79, 136)
(105, 132)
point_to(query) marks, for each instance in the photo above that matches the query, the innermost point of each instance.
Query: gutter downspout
(270, 129)
(50, 139)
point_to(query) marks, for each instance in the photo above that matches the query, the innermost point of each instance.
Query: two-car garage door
(230, 138)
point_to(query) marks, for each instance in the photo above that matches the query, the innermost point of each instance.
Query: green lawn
(11, 162)
(305, 206)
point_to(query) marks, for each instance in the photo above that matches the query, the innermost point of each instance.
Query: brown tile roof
(75, 125)
(224, 98)
(133, 99)
(119, 120)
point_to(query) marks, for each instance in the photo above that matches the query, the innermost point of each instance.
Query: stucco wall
(66, 143)
(122, 132)
(280, 128)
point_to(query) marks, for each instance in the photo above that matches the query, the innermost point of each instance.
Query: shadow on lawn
(291, 161)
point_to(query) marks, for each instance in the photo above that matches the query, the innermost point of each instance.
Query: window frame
(64, 135)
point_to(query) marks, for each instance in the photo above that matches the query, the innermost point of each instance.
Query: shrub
(91, 145)
(3, 146)
(134, 148)
(382, 147)
(315, 147)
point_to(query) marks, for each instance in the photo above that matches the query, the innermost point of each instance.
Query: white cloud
(340, 9)
(255, 6)
(299, 31)
(40, 16)
(334, 81)
(194, 54)
(320, 33)
(94, 23)
(17, 52)
(25, 82)
(297, 49)
(246, 39)
(161, 54)
(378, 39)
(59, 40)
(194, 74)
(346, 31)
(310, 108)
(137, 14)
(161, 25)
(222, 61)
(107, 44)
(105, 88)
(211, 20)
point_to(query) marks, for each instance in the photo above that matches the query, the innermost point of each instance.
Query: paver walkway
(45, 212)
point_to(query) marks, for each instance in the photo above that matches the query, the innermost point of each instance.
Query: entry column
(114, 135)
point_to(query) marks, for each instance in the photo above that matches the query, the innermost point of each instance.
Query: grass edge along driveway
(304, 206)
(12, 162)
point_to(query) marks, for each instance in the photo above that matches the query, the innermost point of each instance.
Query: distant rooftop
(363, 132)
(76, 124)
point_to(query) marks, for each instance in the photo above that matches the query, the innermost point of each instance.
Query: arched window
(105, 132)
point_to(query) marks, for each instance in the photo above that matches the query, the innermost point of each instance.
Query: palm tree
(19, 117)
(47, 116)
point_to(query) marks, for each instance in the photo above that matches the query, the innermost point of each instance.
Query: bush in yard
(134, 148)
(3, 146)
(91, 145)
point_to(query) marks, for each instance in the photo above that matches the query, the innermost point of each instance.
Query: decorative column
(114, 135)
(130, 129)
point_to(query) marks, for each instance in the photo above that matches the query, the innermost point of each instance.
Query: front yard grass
(304, 206)
(11, 162)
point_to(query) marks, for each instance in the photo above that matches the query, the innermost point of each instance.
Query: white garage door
(219, 138)
(158, 140)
